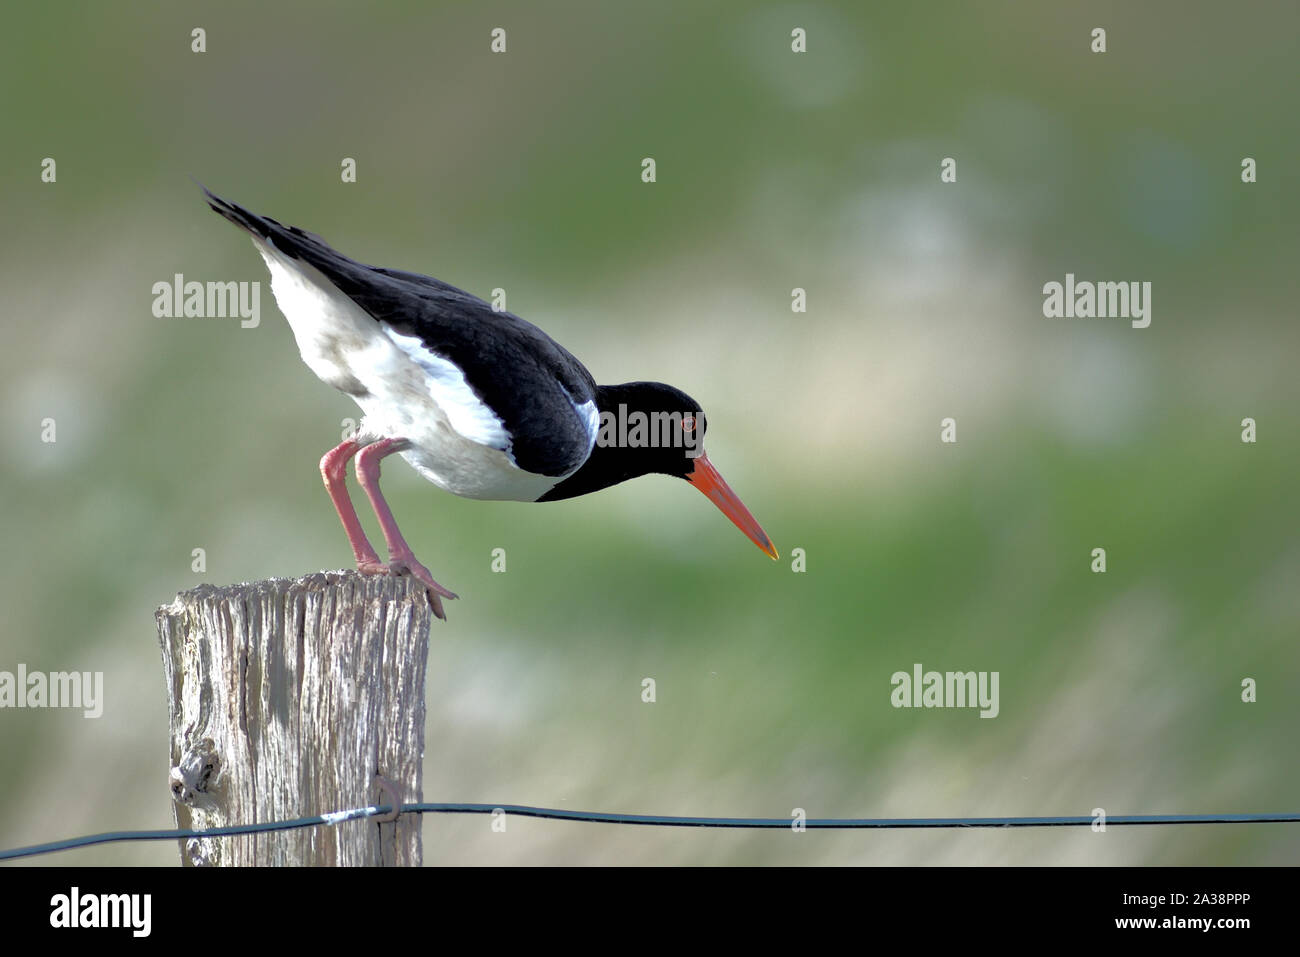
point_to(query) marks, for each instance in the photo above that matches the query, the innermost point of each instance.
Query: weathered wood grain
(287, 698)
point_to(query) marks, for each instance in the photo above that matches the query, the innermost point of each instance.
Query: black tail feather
(257, 225)
(290, 240)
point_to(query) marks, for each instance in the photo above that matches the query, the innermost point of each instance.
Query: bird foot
(407, 565)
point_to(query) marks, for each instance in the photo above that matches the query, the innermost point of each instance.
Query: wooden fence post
(287, 698)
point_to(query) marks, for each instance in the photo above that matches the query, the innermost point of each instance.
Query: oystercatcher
(479, 402)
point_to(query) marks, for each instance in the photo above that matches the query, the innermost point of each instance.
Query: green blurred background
(775, 171)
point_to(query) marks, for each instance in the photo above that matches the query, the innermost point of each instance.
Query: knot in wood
(193, 779)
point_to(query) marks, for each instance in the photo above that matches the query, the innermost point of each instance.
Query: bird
(480, 402)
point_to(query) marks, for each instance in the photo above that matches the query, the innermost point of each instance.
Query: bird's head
(650, 427)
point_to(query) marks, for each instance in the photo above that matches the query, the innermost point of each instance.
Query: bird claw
(407, 565)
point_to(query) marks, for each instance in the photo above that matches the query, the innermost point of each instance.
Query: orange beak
(709, 481)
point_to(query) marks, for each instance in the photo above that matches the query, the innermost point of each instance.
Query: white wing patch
(466, 412)
(590, 419)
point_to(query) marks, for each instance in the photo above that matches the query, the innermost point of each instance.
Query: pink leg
(400, 556)
(333, 469)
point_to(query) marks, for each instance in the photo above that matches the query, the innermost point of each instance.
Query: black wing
(510, 364)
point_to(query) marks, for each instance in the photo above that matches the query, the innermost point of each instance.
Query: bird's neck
(614, 458)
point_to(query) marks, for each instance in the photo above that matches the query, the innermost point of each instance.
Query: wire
(653, 820)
